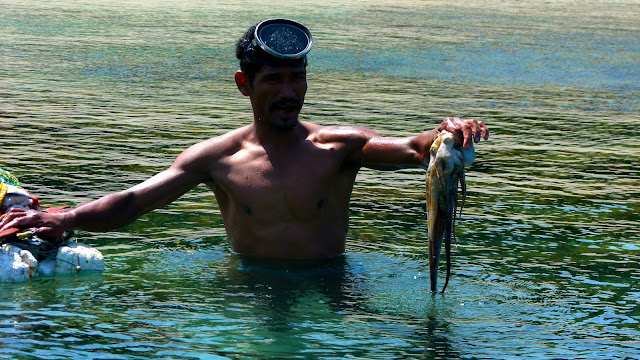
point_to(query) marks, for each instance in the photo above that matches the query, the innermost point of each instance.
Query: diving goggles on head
(282, 38)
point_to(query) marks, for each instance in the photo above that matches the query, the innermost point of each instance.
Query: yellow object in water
(444, 173)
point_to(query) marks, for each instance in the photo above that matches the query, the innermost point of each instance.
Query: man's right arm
(119, 209)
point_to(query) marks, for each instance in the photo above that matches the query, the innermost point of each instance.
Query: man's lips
(287, 110)
(285, 106)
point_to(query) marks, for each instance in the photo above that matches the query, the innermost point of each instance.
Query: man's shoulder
(346, 134)
(227, 141)
(217, 147)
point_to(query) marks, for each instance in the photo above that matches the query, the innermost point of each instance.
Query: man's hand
(465, 130)
(41, 223)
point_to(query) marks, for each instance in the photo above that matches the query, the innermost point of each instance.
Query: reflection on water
(95, 97)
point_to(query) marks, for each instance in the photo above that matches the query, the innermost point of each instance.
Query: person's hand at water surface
(43, 224)
(465, 131)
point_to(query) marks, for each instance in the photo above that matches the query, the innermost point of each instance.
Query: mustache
(285, 103)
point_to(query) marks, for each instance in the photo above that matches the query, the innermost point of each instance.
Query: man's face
(278, 94)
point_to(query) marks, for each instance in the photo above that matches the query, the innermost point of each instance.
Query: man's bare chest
(298, 185)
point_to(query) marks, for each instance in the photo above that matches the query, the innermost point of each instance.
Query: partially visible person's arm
(118, 209)
(388, 153)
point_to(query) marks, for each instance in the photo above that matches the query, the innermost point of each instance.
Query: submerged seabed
(97, 96)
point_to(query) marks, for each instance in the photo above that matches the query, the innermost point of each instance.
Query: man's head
(272, 72)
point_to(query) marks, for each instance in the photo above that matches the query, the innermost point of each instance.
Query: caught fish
(444, 174)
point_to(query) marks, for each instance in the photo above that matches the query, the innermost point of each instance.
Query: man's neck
(278, 138)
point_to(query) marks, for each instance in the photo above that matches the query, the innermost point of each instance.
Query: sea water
(97, 96)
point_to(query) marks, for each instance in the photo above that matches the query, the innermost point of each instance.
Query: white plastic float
(17, 264)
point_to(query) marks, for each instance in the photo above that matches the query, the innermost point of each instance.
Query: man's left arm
(390, 153)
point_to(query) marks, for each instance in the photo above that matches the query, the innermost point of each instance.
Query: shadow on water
(283, 285)
(435, 334)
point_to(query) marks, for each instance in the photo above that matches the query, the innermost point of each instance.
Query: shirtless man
(283, 186)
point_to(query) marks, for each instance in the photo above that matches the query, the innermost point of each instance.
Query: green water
(96, 96)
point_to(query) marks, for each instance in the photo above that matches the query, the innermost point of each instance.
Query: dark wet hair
(252, 60)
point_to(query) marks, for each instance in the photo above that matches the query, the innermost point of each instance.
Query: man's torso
(288, 201)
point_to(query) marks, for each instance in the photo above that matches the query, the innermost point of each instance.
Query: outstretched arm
(121, 208)
(118, 209)
(388, 153)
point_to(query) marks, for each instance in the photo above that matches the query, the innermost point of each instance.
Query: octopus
(445, 174)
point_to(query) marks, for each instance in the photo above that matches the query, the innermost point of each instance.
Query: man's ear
(242, 81)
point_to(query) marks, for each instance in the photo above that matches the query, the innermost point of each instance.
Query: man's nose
(287, 89)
